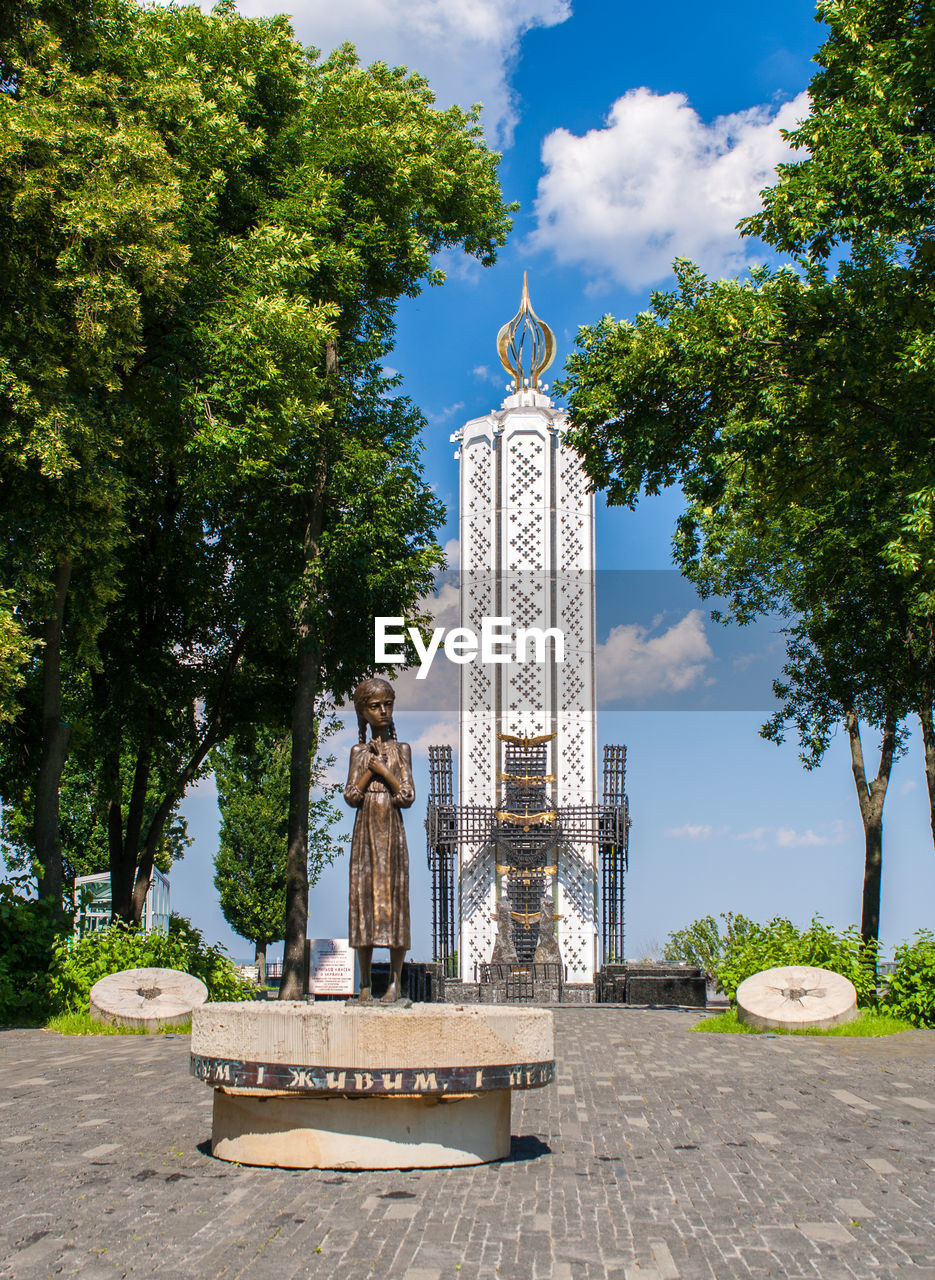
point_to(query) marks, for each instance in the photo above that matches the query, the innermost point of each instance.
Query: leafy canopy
(250, 864)
(795, 407)
(204, 232)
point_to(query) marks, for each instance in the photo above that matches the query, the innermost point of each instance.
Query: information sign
(330, 967)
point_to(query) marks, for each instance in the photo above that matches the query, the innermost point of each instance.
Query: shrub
(780, 942)
(702, 943)
(28, 936)
(79, 964)
(910, 992)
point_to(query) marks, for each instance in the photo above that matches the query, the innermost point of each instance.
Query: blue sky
(630, 134)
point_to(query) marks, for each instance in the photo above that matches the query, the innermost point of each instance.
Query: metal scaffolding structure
(614, 843)
(442, 855)
(524, 836)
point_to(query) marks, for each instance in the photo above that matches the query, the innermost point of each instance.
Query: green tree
(88, 193)
(334, 477)
(702, 943)
(251, 500)
(768, 946)
(84, 813)
(15, 648)
(795, 410)
(731, 388)
(250, 864)
(864, 185)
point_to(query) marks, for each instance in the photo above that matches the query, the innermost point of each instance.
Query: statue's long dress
(379, 890)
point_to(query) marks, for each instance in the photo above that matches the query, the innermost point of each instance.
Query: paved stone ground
(657, 1155)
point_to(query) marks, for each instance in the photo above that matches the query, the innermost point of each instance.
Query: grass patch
(867, 1023)
(82, 1024)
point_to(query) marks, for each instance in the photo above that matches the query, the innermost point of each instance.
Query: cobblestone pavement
(656, 1155)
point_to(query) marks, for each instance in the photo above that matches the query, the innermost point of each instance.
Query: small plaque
(330, 967)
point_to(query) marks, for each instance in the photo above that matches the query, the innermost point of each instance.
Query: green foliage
(701, 943)
(82, 819)
(869, 1022)
(15, 648)
(29, 935)
(77, 965)
(867, 148)
(910, 991)
(205, 230)
(761, 947)
(793, 408)
(754, 396)
(864, 184)
(250, 864)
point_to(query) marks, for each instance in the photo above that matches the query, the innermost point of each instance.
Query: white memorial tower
(527, 554)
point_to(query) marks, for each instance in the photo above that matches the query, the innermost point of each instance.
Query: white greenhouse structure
(93, 909)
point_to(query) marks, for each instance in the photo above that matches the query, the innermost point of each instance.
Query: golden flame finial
(526, 329)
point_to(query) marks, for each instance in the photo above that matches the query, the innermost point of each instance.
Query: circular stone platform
(328, 1086)
(796, 997)
(147, 998)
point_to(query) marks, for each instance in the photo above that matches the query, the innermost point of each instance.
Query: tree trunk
(113, 789)
(870, 797)
(293, 982)
(211, 737)
(928, 742)
(925, 716)
(304, 744)
(124, 845)
(260, 962)
(147, 855)
(294, 976)
(54, 746)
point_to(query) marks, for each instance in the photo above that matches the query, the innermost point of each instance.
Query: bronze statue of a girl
(379, 784)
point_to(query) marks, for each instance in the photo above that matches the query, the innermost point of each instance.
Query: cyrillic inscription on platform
(280, 1076)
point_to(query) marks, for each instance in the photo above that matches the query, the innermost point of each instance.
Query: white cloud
(766, 837)
(465, 50)
(689, 831)
(338, 746)
(633, 663)
(744, 661)
(444, 414)
(452, 551)
(439, 733)
(496, 377)
(445, 608)
(658, 183)
(832, 833)
(789, 838)
(906, 787)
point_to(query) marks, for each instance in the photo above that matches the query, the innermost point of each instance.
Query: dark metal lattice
(526, 852)
(614, 849)
(443, 855)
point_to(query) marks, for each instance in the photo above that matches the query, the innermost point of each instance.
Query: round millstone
(795, 998)
(147, 998)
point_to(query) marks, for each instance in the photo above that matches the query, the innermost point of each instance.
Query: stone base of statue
(329, 1086)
